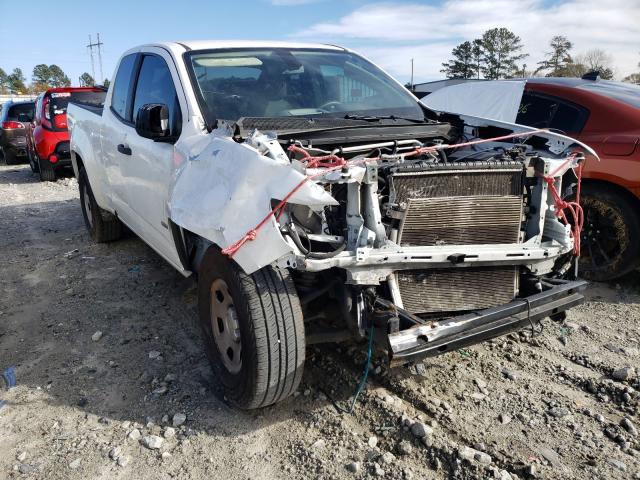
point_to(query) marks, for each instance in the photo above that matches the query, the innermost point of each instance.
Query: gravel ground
(112, 381)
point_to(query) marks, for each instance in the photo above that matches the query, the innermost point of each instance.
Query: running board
(430, 338)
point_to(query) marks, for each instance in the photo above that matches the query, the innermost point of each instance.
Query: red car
(603, 114)
(47, 136)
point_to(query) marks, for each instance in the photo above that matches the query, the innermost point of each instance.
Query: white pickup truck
(317, 200)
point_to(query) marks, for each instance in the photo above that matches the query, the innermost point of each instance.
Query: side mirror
(152, 121)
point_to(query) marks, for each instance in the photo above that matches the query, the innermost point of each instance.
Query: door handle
(124, 149)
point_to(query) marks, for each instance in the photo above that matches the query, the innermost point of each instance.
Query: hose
(365, 374)
(308, 253)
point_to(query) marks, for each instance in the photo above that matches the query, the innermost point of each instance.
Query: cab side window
(544, 111)
(155, 85)
(121, 88)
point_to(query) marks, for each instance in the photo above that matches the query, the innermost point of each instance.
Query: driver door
(146, 166)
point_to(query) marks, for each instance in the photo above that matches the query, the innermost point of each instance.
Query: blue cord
(362, 383)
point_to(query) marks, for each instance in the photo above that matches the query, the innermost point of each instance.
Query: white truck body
(219, 183)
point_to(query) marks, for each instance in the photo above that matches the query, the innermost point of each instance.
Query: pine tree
(17, 81)
(87, 80)
(558, 59)
(501, 52)
(461, 65)
(4, 81)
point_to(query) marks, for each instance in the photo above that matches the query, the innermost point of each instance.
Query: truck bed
(97, 109)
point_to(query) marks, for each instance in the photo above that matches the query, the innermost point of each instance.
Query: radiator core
(459, 206)
(456, 289)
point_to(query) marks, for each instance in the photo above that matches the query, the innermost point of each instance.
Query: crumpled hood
(222, 189)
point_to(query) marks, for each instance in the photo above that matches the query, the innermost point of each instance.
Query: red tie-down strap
(333, 162)
(574, 208)
(325, 161)
(251, 234)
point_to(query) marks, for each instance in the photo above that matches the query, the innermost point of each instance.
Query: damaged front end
(441, 235)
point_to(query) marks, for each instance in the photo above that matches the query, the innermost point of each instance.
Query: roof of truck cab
(224, 44)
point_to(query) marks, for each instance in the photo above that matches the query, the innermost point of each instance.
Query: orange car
(606, 116)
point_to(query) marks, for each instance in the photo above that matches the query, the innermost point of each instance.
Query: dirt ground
(556, 404)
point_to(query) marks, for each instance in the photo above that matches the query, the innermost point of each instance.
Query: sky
(389, 33)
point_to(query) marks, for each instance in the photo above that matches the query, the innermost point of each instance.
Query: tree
(87, 80)
(46, 76)
(597, 60)
(41, 74)
(58, 77)
(501, 52)
(477, 54)
(461, 65)
(633, 78)
(106, 83)
(4, 82)
(40, 78)
(558, 58)
(16, 81)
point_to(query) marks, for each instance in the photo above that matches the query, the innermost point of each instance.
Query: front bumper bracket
(430, 338)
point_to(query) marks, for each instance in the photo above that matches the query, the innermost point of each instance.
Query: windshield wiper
(377, 118)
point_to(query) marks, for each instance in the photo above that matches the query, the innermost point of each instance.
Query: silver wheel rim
(225, 326)
(87, 206)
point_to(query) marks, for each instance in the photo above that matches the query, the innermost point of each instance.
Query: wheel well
(191, 247)
(77, 163)
(617, 188)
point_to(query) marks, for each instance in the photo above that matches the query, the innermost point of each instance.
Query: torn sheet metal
(557, 143)
(223, 189)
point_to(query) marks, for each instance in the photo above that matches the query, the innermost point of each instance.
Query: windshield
(623, 92)
(294, 82)
(60, 100)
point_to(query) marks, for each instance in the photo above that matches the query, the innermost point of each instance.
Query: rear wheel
(33, 161)
(9, 156)
(103, 226)
(253, 330)
(610, 236)
(47, 173)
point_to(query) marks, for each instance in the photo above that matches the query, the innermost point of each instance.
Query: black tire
(271, 327)
(2, 159)
(610, 246)
(103, 226)
(9, 156)
(46, 171)
(33, 161)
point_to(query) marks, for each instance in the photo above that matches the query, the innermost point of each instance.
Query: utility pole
(98, 46)
(412, 74)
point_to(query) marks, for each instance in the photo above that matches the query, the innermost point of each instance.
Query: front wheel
(610, 236)
(253, 330)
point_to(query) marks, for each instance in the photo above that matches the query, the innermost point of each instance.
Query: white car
(317, 200)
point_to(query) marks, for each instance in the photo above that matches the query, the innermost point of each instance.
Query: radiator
(456, 289)
(464, 205)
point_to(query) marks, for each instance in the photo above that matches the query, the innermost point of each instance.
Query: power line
(98, 47)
